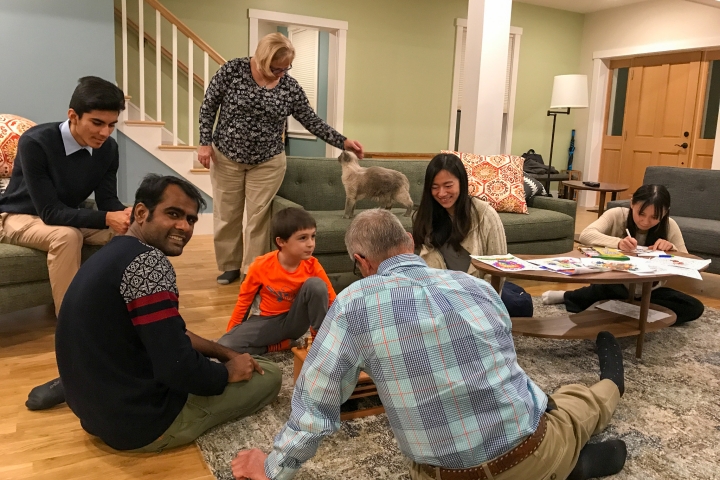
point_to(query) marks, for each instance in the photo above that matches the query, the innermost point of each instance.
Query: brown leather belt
(497, 466)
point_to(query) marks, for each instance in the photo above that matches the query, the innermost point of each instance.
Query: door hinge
(632, 73)
(625, 135)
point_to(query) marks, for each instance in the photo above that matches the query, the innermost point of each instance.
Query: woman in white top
(649, 223)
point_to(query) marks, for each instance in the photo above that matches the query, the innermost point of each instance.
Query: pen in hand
(627, 230)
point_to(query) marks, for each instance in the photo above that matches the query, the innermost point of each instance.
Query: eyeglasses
(278, 71)
(356, 269)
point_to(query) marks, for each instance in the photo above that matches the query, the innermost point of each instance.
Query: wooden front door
(660, 110)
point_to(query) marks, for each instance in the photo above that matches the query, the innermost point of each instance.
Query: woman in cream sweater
(450, 225)
(649, 223)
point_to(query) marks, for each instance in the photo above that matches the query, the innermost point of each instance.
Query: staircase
(163, 81)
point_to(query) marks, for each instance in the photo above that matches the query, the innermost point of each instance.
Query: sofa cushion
(538, 225)
(692, 190)
(21, 264)
(331, 228)
(700, 235)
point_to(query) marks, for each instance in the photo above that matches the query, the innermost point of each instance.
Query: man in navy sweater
(58, 166)
(132, 373)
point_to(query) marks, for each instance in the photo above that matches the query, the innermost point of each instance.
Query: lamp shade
(569, 91)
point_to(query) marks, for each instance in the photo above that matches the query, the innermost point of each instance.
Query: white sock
(552, 297)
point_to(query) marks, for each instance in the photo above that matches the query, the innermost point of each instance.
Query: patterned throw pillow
(11, 127)
(496, 179)
(533, 188)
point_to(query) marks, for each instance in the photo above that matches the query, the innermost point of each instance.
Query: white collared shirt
(71, 145)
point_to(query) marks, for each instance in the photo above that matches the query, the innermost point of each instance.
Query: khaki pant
(62, 244)
(236, 187)
(581, 412)
(239, 400)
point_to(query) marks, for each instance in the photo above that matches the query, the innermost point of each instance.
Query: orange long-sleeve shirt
(277, 286)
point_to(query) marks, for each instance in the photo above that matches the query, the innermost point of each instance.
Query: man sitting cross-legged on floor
(438, 345)
(132, 373)
(294, 290)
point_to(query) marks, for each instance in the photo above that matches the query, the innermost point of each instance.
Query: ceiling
(582, 6)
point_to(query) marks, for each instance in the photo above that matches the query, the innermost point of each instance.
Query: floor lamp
(569, 91)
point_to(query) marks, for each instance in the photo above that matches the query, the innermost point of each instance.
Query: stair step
(144, 122)
(199, 170)
(178, 147)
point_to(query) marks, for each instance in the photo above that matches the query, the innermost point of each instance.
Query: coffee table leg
(601, 206)
(495, 283)
(644, 308)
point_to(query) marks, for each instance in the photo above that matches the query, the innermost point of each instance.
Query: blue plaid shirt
(438, 345)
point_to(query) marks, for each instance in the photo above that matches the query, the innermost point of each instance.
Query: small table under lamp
(569, 91)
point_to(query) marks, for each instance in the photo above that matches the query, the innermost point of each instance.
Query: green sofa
(314, 184)
(24, 280)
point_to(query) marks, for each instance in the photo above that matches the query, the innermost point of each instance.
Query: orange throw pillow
(496, 179)
(11, 127)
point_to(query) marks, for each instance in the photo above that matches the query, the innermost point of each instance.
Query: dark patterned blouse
(252, 118)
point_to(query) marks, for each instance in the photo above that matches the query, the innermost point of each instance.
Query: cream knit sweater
(486, 237)
(609, 229)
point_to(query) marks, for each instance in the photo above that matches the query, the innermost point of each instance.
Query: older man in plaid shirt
(439, 348)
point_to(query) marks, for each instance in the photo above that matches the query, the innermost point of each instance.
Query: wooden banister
(185, 30)
(165, 52)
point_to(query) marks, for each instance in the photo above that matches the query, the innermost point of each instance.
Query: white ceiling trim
(584, 6)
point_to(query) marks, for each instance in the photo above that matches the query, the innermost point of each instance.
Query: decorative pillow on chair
(11, 127)
(496, 179)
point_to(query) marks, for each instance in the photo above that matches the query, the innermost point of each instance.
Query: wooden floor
(51, 444)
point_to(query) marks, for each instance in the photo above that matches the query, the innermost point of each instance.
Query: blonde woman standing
(245, 151)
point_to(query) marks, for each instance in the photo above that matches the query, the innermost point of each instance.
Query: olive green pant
(199, 414)
(581, 412)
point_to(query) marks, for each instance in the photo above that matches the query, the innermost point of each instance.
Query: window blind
(305, 68)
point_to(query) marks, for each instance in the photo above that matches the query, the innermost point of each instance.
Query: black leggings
(686, 308)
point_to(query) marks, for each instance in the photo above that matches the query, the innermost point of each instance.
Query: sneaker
(228, 277)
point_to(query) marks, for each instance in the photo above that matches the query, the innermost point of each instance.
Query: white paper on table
(637, 266)
(631, 310)
(672, 270)
(506, 263)
(681, 262)
(564, 265)
(652, 253)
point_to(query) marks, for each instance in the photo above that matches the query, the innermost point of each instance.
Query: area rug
(669, 416)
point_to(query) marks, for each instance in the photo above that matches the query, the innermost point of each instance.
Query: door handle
(682, 145)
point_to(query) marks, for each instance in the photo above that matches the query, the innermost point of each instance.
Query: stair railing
(193, 41)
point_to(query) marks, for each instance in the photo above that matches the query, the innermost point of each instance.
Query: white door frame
(598, 99)
(460, 25)
(337, 30)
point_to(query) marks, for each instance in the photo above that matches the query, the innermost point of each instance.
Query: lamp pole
(554, 114)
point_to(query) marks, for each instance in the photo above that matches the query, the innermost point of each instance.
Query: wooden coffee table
(613, 188)
(589, 323)
(364, 388)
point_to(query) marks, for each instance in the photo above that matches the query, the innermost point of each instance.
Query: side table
(614, 188)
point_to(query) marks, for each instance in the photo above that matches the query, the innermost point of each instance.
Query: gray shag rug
(669, 416)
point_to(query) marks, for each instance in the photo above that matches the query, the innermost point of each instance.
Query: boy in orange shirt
(295, 292)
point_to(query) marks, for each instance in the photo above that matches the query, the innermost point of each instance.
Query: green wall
(550, 46)
(400, 61)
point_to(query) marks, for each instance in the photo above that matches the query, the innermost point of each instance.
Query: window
(616, 115)
(510, 82)
(305, 71)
